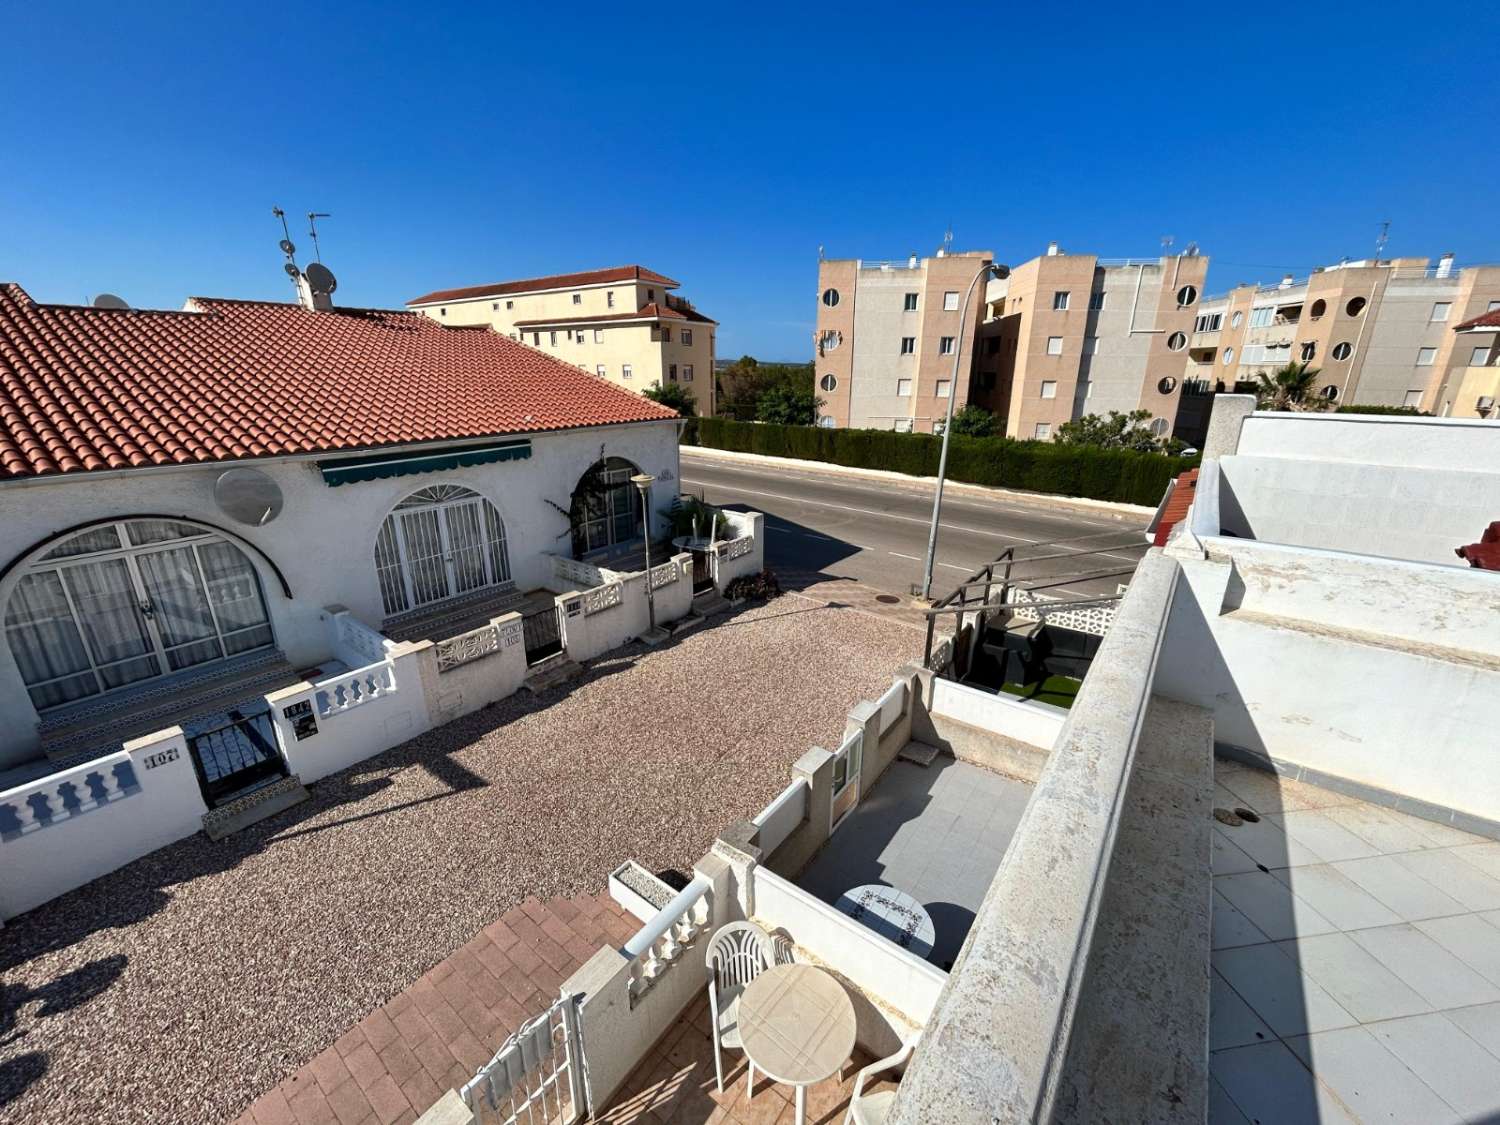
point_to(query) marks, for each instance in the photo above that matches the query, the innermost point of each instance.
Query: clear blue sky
(145, 144)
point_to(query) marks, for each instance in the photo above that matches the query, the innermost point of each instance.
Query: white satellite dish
(248, 496)
(320, 278)
(109, 301)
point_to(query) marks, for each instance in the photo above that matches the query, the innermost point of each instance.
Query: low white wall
(1395, 440)
(1381, 672)
(780, 818)
(598, 620)
(743, 555)
(1024, 720)
(474, 669)
(95, 818)
(906, 986)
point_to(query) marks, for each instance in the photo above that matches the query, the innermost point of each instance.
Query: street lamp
(644, 481)
(937, 500)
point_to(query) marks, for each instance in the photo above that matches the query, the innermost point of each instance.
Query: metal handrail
(1102, 599)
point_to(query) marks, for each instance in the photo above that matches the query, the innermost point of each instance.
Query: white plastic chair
(871, 1109)
(739, 953)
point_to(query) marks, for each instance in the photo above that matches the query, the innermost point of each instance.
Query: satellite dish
(109, 301)
(320, 278)
(287, 248)
(291, 269)
(248, 496)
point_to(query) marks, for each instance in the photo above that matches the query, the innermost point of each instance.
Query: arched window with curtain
(128, 601)
(441, 542)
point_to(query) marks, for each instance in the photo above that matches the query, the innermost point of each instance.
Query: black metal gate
(703, 572)
(542, 634)
(236, 756)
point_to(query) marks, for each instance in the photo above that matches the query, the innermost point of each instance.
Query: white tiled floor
(1356, 963)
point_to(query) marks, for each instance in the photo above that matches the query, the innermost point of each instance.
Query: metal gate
(703, 573)
(542, 634)
(536, 1077)
(235, 756)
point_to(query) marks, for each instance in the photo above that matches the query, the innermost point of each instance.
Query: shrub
(1357, 408)
(762, 586)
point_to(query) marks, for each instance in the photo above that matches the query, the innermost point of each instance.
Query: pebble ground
(181, 986)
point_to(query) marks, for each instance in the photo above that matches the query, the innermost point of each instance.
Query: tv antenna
(1166, 244)
(1385, 236)
(288, 248)
(312, 223)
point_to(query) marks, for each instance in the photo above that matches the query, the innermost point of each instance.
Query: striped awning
(376, 466)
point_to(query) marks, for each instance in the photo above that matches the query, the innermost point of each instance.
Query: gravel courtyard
(178, 988)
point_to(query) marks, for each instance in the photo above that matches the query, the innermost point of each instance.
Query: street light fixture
(937, 500)
(644, 481)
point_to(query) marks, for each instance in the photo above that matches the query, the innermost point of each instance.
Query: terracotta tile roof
(85, 389)
(555, 281)
(652, 311)
(1484, 321)
(1177, 507)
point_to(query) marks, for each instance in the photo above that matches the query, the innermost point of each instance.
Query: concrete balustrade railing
(352, 689)
(659, 944)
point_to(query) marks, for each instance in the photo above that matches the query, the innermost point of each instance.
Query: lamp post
(644, 481)
(937, 500)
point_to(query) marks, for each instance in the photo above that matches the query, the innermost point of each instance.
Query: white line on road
(899, 555)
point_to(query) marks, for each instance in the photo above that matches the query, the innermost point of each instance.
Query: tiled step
(710, 603)
(253, 808)
(550, 673)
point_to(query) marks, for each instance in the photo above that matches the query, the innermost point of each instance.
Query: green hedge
(1036, 466)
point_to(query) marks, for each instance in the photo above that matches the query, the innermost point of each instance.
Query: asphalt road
(876, 532)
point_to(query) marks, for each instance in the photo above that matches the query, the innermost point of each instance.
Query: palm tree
(1289, 388)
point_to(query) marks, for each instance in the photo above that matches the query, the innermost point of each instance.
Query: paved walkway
(393, 1064)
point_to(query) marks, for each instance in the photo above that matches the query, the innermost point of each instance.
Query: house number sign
(160, 758)
(304, 722)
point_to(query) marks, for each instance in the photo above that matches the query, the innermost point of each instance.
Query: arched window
(606, 509)
(127, 601)
(441, 541)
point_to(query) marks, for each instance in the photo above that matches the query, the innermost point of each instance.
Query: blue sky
(464, 144)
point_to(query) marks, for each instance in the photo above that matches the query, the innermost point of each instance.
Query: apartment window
(943, 388)
(650, 294)
(598, 335)
(1261, 318)
(1208, 322)
(625, 371)
(578, 298)
(1166, 384)
(600, 371)
(536, 339)
(1177, 341)
(1492, 306)
(672, 372)
(609, 299)
(1440, 311)
(494, 306)
(1330, 392)
(1060, 301)
(830, 297)
(1425, 356)
(946, 345)
(950, 301)
(666, 334)
(828, 382)
(1413, 398)
(1096, 301)
(1054, 345)
(911, 303)
(1342, 351)
(902, 425)
(1049, 388)
(903, 388)
(1091, 345)
(908, 345)
(1043, 431)
(687, 372)
(1229, 356)
(687, 337)
(442, 312)
(510, 304)
(1239, 318)
(578, 336)
(1480, 357)
(1186, 296)
(1309, 349)
(1355, 306)
(553, 335)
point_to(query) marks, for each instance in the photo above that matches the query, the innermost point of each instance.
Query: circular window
(1177, 341)
(1341, 351)
(830, 339)
(1159, 427)
(1355, 306)
(1187, 295)
(1309, 350)
(1330, 392)
(1228, 355)
(1236, 320)
(1167, 385)
(828, 382)
(1319, 307)
(830, 297)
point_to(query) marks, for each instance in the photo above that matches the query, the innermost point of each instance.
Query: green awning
(378, 466)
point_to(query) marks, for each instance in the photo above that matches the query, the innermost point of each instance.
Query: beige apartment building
(1475, 391)
(1380, 332)
(622, 324)
(886, 338)
(1073, 334)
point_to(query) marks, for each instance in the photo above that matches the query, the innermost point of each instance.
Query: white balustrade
(466, 647)
(602, 598)
(338, 694)
(359, 641)
(58, 796)
(660, 943)
(582, 574)
(663, 575)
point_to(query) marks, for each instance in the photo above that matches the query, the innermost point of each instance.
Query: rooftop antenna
(312, 223)
(1166, 244)
(1385, 236)
(288, 249)
(948, 240)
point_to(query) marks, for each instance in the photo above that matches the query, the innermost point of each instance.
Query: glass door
(463, 524)
(178, 606)
(846, 767)
(425, 565)
(108, 606)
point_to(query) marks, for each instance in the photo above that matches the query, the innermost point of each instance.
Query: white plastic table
(797, 1025)
(892, 914)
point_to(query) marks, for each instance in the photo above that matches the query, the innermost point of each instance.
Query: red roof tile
(1177, 507)
(652, 311)
(555, 281)
(85, 389)
(1490, 319)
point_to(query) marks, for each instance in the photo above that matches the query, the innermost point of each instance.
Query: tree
(742, 384)
(1114, 431)
(788, 405)
(673, 395)
(974, 421)
(1289, 388)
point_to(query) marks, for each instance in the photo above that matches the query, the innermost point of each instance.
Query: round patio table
(797, 1025)
(892, 914)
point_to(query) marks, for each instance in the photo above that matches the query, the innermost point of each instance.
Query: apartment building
(1476, 392)
(622, 324)
(1380, 332)
(887, 335)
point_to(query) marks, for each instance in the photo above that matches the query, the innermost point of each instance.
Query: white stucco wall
(323, 540)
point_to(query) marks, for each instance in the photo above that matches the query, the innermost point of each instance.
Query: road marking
(964, 569)
(899, 555)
